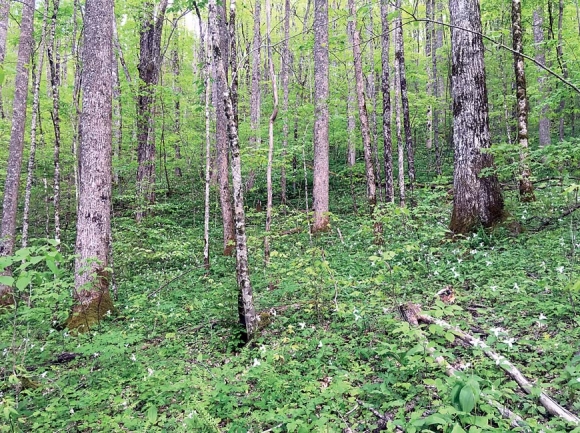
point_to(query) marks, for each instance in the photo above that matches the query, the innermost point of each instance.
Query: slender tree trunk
(400, 65)
(176, 107)
(4, 16)
(321, 167)
(246, 310)
(563, 66)
(36, 78)
(429, 42)
(285, 74)
(544, 126)
(526, 187)
(438, 90)
(233, 59)
(270, 136)
(400, 142)
(117, 115)
(364, 122)
(221, 131)
(92, 276)
(54, 85)
(477, 200)
(149, 68)
(76, 101)
(255, 91)
(16, 147)
(386, 90)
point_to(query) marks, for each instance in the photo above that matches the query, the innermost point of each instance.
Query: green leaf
(467, 398)
(450, 337)
(6, 280)
(457, 429)
(23, 281)
(152, 414)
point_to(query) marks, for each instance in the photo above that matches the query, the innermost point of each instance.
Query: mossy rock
(95, 306)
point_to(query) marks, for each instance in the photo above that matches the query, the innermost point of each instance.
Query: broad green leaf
(6, 280)
(467, 398)
(152, 414)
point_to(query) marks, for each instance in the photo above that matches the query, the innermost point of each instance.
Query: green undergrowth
(332, 346)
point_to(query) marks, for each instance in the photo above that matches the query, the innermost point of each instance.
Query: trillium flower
(560, 269)
(256, 363)
(542, 316)
(497, 331)
(320, 344)
(509, 342)
(133, 357)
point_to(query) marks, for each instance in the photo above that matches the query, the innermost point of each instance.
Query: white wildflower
(516, 287)
(493, 288)
(509, 342)
(133, 357)
(43, 375)
(150, 371)
(488, 263)
(320, 344)
(542, 316)
(560, 269)
(473, 252)
(71, 411)
(96, 355)
(497, 331)
(302, 325)
(256, 363)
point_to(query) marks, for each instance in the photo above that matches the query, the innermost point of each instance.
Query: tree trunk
(246, 310)
(16, 147)
(477, 200)
(400, 65)
(36, 78)
(149, 68)
(544, 123)
(285, 74)
(386, 90)
(321, 169)
(270, 136)
(563, 66)
(76, 100)
(400, 142)
(92, 276)
(438, 90)
(255, 91)
(364, 122)
(429, 42)
(4, 16)
(176, 108)
(55, 115)
(526, 187)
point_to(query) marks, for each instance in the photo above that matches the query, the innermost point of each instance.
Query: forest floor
(333, 353)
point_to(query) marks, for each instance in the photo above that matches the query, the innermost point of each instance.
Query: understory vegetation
(333, 350)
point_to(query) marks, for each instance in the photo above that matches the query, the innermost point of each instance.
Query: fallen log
(548, 402)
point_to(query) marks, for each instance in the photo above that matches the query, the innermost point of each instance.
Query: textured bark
(321, 168)
(221, 131)
(149, 68)
(526, 187)
(429, 39)
(386, 90)
(233, 59)
(362, 108)
(563, 66)
(76, 99)
(477, 200)
(270, 135)
(176, 107)
(246, 311)
(92, 276)
(255, 91)
(400, 142)
(438, 90)
(53, 62)
(350, 109)
(36, 79)
(544, 122)
(117, 114)
(16, 147)
(4, 16)
(284, 78)
(400, 65)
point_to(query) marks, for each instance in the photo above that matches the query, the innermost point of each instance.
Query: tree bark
(362, 108)
(321, 168)
(92, 275)
(386, 90)
(176, 107)
(284, 78)
(255, 90)
(53, 62)
(526, 187)
(246, 311)
(544, 124)
(36, 78)
(225, 195)
(400, 142)
(4, 16)
(477, 199)
(400, 65)
(270, 136)
(563, 66)
(149, 68)
(429, 39)
(16, 146)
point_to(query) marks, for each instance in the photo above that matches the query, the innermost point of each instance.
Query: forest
(289, 216)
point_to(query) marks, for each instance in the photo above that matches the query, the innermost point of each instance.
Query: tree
(386, 90)
(526, 187)
(284, 78)
(321, 170)
(92, 274)
(255, 90)
(544, 124)
(477, 194)
(362, 108)
(149, 68)
(4, 16)
(246, 311)
(16, 147)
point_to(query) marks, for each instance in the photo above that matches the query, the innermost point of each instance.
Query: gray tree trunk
(92, 276)
(284, 78)
(255, 99)
(321, 168)
(350, 109)
(563, 66)
(175, 67)
(16, 146)
(429, 40)
(400, 142)
(246, 311)
(477, 200)
(386, 90)
(4, 16)
(400, 65)
(362, 108)
(36, 78)
(544, 124)
(149, 68)
(526, 187)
